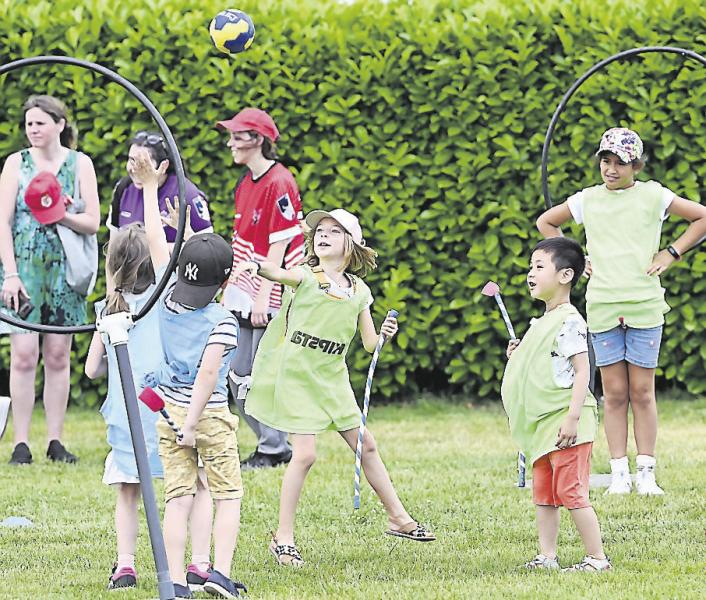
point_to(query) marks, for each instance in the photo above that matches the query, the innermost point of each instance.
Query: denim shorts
(637, 346)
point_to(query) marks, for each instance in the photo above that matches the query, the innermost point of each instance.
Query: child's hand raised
(511, 346)
(143, 170)
(660, 263)
(172, 219)
(389, 327)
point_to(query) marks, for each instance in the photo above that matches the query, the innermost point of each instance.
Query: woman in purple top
(127, 206)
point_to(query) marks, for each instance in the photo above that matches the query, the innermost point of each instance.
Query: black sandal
(286, 554)
(417, 532)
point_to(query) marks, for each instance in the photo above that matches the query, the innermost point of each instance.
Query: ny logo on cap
(191, 271)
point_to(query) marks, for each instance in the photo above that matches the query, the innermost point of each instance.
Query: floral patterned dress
(40, 257)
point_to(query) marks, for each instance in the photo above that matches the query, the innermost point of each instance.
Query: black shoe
(258, 460)
(58, 453)
(21, 455)
(182, 591)
(122, 578)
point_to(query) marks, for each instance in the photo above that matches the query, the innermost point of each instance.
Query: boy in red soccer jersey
(265, 228)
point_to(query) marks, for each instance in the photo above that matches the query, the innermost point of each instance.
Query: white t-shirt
(575, 202)
(571, 340)
(343, 292)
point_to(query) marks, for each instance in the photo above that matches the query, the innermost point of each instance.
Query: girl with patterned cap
(625, 302)
(300, 379)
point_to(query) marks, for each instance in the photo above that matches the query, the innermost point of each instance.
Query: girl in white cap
(300, 379)
(624, 301)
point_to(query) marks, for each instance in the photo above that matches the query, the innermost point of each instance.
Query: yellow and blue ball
(232, 31)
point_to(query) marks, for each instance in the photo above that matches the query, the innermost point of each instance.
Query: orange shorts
(560, 478)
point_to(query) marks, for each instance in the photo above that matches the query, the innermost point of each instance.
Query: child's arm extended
(269, 270)
(96, 363)
(367, 329)
(693, 212)
(149, 176)
(569, 428)
(205, 383)
(551, 220)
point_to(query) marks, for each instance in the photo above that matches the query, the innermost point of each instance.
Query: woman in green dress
(300, 379)
(34, 265)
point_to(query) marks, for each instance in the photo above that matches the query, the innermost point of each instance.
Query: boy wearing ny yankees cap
(198, 337)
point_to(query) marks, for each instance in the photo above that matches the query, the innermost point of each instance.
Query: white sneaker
(620, 483)
(590, 564)
(542, 562)
(646, 484)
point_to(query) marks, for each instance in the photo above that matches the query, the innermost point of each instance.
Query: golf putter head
(152, 399)
(490, 289)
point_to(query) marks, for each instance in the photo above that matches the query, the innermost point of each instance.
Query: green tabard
(300, 378)
(535, 405)
(622, 237)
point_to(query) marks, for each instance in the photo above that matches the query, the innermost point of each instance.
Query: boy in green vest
(552, 414)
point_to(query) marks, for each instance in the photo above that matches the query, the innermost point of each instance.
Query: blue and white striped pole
(364, 415)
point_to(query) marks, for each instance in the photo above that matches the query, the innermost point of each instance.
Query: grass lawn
(453, 466)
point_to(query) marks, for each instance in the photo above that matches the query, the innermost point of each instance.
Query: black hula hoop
(173, 155)
(594, 69)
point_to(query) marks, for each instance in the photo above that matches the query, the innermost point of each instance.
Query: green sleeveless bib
(300, 379)
(535, 405)
(622, 237)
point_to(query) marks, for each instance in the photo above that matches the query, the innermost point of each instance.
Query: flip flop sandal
(417, 533)
(286, 554)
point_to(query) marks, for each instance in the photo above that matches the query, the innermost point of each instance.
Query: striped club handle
(364, 414)
(171, 423)
(521, 470)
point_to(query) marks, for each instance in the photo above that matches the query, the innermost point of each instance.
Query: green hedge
(426, 118)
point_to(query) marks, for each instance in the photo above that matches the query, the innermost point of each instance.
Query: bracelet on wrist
(258, 265)
(11, 275)
(674, 252)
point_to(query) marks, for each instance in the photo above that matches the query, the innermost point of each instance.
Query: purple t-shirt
(132, 208)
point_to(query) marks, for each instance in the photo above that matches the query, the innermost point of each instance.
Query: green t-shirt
(300, 379)
(622, 236)
(535, 405)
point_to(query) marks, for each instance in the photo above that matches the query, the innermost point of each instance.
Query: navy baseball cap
(205, 263)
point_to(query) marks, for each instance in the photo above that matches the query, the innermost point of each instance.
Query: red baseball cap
(252, 119)
(44, 198)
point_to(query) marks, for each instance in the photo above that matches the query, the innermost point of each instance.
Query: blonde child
(198, 338)
(300, 379)
(552, 414)
(131, 282)
(625, 302)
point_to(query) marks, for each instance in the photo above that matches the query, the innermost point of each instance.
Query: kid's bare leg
(548, 518)
(644, 408)
(176, 517)
(201, 522)
(226, 527)
(126, 519)
(616, 390)
(586, 522)
(303, 457)
(378, 478)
